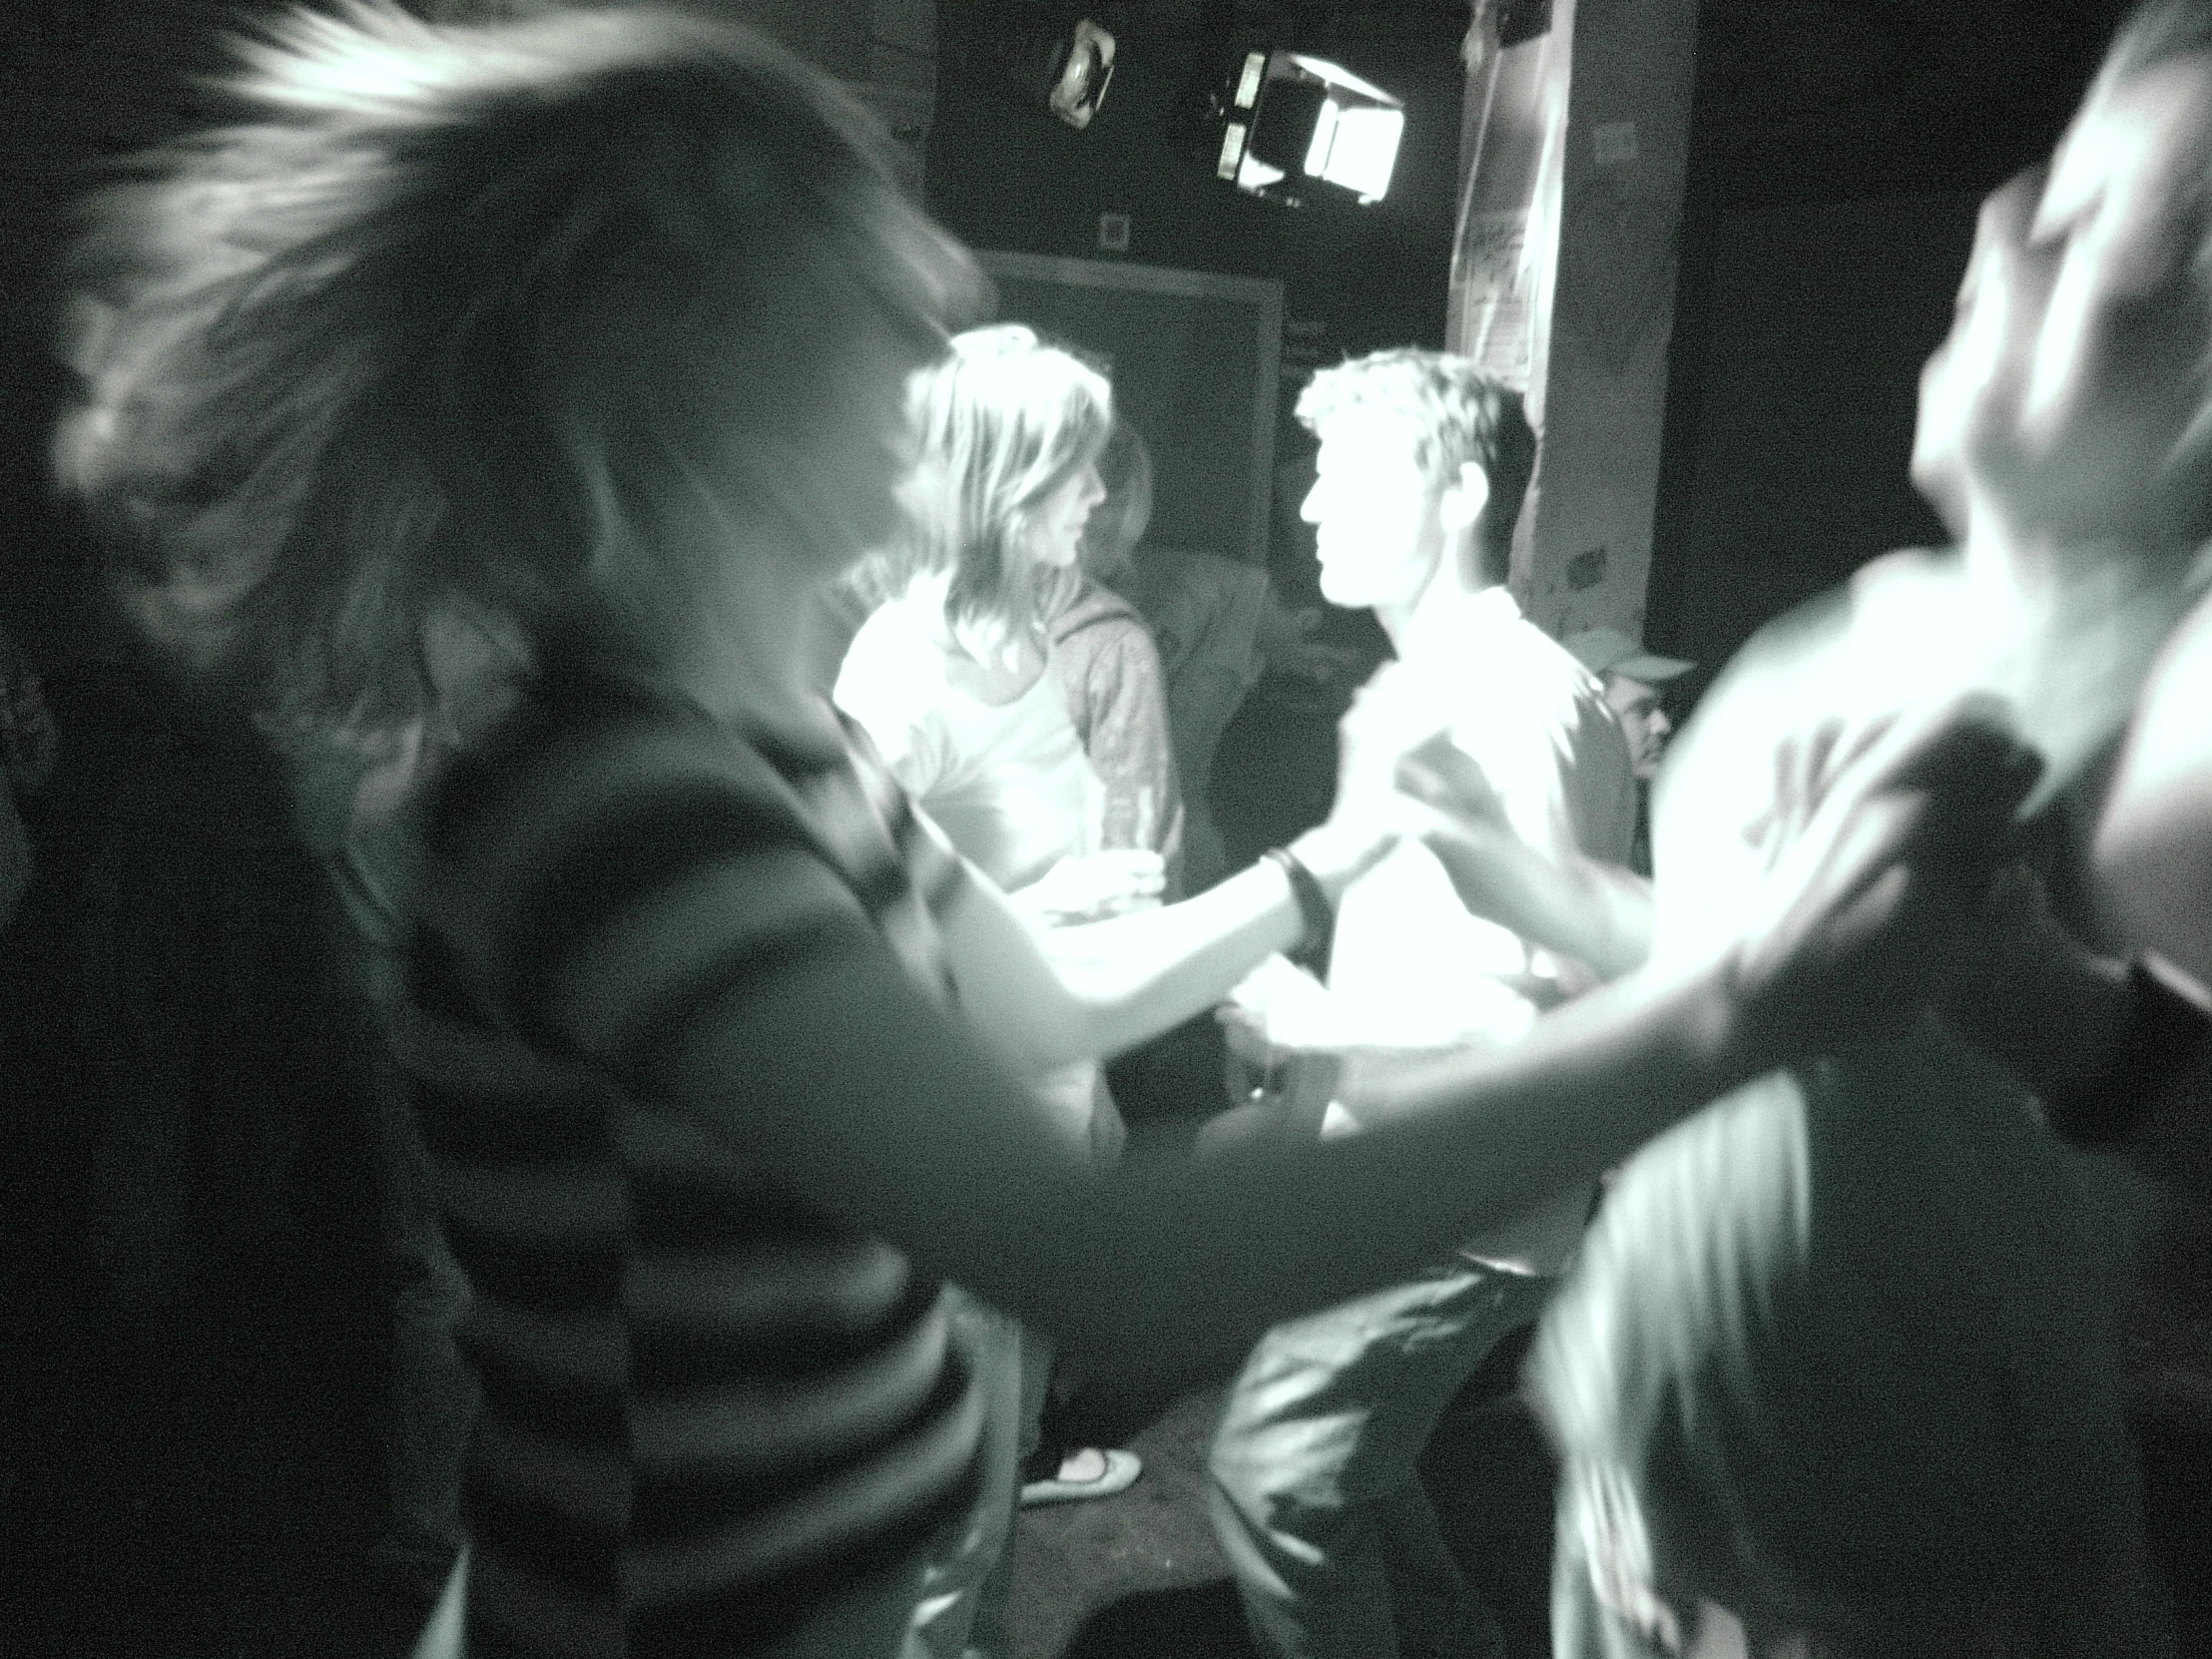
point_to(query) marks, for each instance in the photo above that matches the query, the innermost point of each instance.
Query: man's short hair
(1461, 415)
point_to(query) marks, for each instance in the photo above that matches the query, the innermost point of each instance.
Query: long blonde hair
(1004, 421)
(468, 317)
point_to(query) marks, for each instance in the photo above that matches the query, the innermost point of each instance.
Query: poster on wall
(1512, 162)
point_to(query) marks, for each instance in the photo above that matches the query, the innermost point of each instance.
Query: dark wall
(1838, 154)
(1794, 472)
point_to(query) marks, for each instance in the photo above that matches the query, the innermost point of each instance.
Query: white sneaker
(1119, 1474)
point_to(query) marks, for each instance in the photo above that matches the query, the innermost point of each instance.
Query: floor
(1137, 1576)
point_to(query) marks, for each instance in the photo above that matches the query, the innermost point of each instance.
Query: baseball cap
(1609, 650)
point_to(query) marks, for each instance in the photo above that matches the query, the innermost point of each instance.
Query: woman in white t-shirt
(949, 675)
(952, 678)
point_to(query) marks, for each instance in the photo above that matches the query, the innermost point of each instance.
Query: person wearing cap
(1635, 682)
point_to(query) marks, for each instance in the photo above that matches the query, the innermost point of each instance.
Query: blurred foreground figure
(599, 326)
(1838, 1373)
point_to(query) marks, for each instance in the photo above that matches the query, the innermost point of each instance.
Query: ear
(1466, 497)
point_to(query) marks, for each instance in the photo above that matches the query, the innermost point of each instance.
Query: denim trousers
(962, 1611)
(1315, 1493)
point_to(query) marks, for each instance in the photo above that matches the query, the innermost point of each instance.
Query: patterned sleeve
(602, 888)
(610, 895)
(1129, 743)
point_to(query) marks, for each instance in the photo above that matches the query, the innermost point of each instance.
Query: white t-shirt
(1009, 783)
(1412, 967)
(1413, 973)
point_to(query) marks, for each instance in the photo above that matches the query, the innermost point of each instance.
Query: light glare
(1363, 151)
(1255, 175)
(1232, 150)
(1247, 84)
(1324, 133)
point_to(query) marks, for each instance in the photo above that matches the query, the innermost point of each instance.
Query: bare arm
(1600, 914)
(875, 1107)
(720, 967)
(1044, 997)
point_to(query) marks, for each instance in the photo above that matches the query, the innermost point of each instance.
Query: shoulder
(589, 852)
(1097, 610)
(1513, 663)
(566, 766)
(890, 652)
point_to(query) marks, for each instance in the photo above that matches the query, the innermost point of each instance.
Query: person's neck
(747, 661)
(1402, 620)
(993, 658)
(2073, 626)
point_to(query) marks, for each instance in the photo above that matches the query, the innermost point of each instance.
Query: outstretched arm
(1598, 913)
(1046, 996)
(734, 979)
(881, 1110)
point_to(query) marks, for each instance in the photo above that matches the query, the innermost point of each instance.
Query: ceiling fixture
(1067, 70)
(1290, 123)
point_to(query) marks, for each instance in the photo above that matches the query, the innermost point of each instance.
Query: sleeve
(1560, 762)
(1129, 743)
(885, 685)
(1718, 777)
(624, 899)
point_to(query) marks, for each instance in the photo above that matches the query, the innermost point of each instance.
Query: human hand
(1446, 778)
(1277, 1028)
(1880, 854)
(1090, 887)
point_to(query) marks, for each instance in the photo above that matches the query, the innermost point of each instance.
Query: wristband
(1321, 920)
(2163, 1033)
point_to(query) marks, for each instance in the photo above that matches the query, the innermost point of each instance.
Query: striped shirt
(707, 1405)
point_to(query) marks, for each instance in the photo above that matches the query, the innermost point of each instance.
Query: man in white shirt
(1424, 463)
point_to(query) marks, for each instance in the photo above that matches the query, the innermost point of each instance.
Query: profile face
(2065, 396)
(1643, 721)
(1377, 525)
(1058, 521)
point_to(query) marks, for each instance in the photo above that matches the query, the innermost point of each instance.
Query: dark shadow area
(192, 1451)
(2175, 1436)
(1200, 1621)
